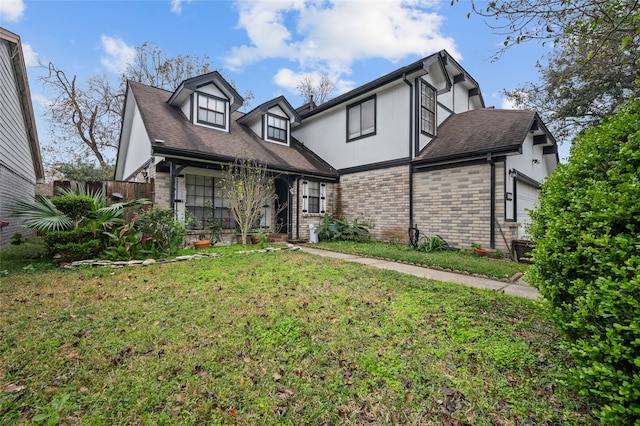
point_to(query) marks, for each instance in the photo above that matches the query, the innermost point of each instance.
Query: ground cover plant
(273, 338)
(462, 261)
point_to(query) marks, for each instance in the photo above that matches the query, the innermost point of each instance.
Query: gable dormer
(208, 100)
(272, 120)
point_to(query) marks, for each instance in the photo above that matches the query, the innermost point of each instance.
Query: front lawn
(271, 339)
(461, 261)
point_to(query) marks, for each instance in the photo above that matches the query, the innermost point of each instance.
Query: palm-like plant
(43, 214)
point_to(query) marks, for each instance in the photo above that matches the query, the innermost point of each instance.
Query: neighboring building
(416, 146)
(20, 160)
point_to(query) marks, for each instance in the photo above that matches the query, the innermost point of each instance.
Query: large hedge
(587, 261)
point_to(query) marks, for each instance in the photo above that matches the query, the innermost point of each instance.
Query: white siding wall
(139, 147)
(15, 151)
(390, 142)
(17, 175)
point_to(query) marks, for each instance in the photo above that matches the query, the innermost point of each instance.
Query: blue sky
(264, 46)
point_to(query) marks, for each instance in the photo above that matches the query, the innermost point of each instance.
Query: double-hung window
(361, 119)
(427, 108)
(212, 110)
(277, 128)
(313, 197)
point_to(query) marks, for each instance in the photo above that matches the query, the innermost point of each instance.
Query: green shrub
(77, 244)
(342, 230)
(587, 261)
(74, 206)
(162, 234)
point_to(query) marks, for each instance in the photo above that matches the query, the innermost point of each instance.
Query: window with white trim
(427, 108)
(361, 119)
(212, 110)
(277, 128)
(202, 190)
(314, 197)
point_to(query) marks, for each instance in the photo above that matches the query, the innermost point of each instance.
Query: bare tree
(86, 117)
(316, 91)
(247, 185)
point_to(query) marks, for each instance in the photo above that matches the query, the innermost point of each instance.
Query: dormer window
(277, 128)
(212, 111)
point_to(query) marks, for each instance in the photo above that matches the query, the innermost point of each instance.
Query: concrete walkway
(519, 288)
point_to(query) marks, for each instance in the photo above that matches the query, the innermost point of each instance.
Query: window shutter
(323, 198)
(305, 196)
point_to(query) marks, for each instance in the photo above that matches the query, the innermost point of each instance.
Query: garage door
(527, 197)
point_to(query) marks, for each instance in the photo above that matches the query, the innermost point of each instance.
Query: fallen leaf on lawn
(284, 392)
(276, 376)
(408, 397)
(83, 390)
(247, 359)
(233, 412)
(247, 342)
(12, 388)
(161, 377)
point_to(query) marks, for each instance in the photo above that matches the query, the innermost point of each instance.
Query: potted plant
(259, 236)
(193, 223)
(479, 251)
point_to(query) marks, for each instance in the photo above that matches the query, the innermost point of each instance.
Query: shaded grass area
(31, 255)
(272, 339)
(456, 261)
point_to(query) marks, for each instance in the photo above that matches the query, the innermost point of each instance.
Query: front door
(282, 206)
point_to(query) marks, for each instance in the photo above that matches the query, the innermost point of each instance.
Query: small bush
(74, 206)
(587, 261)
(77, 244)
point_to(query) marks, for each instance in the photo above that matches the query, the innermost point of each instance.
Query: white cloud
(176, 5)
(11, 10)
(41, 100)
(118, 54)
(30, 56)
(332, 35)
(508, 104)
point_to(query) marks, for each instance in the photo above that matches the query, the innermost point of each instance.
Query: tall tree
(594, 67)
(315, 88)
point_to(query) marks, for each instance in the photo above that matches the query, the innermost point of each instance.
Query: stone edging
(150, 261)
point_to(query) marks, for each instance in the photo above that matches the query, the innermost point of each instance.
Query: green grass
(28, 256)
(271, 339)
(463, 261)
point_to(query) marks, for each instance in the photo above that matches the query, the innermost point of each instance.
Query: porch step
(279, 238)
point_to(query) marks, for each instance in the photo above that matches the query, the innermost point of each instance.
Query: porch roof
(477, 133)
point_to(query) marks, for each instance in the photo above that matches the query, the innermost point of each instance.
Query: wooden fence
(115, 191)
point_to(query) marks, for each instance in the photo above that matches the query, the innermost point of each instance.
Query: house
(20, 161)
(414, 147)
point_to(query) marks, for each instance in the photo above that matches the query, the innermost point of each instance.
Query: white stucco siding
(15, 151)
(531, 162)
(527, 198)
(139, 146)
(326, 134)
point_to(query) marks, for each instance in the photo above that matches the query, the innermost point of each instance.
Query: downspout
(492, 241)
(298, 208)
(289, 209)
(408, 83)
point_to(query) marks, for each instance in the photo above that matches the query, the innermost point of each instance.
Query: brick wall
(162, 190)
(12, 188)
(380, 196)
(455, 203)
(313, 218)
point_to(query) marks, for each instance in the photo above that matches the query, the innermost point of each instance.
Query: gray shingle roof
(181, 137)
(478, 132)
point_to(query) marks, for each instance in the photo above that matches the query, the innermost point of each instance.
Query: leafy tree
(587, 261)
(607, 24)
(314, 91)
(247, 185)
(83, 171)
(594, 66)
